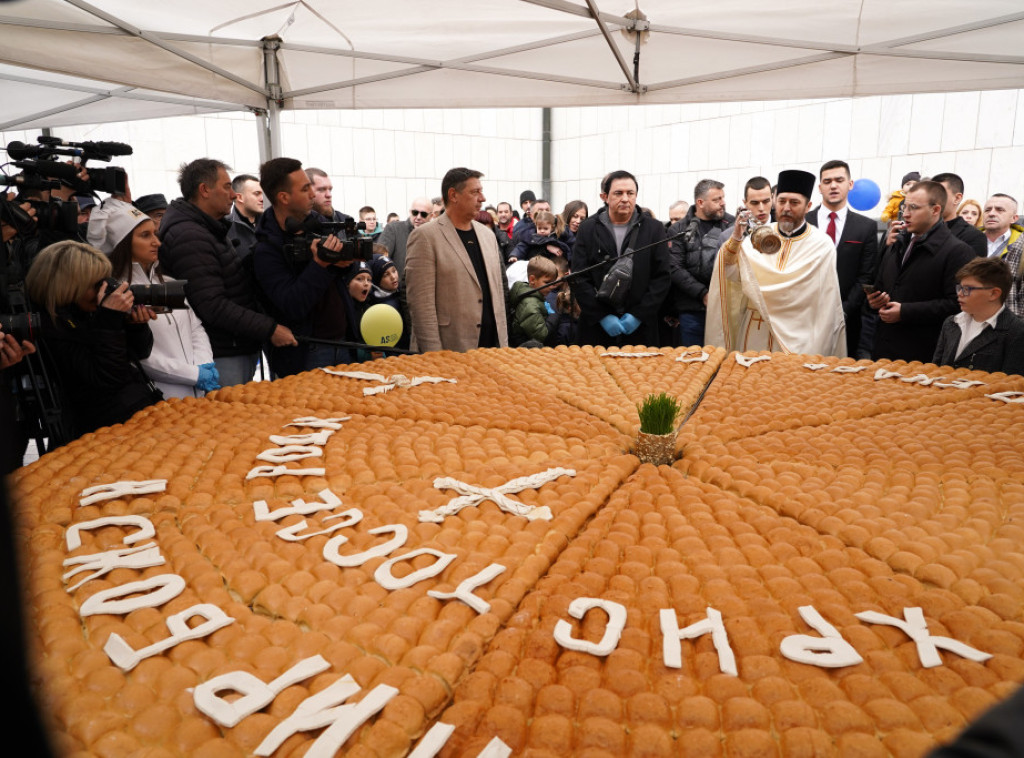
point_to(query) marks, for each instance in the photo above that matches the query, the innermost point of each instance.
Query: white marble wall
(384, 158)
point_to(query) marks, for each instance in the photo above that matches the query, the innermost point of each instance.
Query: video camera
(164, 295)
(353, 246)
(112, 179)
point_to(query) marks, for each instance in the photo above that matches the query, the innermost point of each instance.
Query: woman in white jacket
(181, 363)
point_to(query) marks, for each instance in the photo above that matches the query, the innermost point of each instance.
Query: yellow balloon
(381, 325)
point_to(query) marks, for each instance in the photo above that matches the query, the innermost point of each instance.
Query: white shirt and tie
(833, 222)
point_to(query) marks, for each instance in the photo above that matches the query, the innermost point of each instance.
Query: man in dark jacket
(973, 238)
(603, 238)
(692, 259)
(245, 214)
(856, 240)
(304, 290)
(195, 248)
(916, 283)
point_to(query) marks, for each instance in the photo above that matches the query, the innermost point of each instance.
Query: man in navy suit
(856, 240)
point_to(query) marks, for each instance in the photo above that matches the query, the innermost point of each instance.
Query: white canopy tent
(66, 62)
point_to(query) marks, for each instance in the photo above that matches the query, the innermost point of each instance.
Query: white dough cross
(471, 495)
(387, 383)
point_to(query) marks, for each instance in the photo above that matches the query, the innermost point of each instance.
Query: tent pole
(545, 153)
(270, 142)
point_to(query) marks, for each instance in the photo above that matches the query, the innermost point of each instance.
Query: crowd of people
(269, 266)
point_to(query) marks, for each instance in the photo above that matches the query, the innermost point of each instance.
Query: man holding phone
(916, 282)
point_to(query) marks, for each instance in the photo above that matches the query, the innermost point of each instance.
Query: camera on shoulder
(353, 246)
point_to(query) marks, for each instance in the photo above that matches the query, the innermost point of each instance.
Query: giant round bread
(833, 565)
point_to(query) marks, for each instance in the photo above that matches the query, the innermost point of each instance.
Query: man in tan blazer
(454, 277)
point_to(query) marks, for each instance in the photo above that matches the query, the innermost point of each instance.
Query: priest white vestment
(785, 302)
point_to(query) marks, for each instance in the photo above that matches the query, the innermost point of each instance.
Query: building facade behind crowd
(265, 273)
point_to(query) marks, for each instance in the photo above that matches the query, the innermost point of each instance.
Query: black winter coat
(219, 289)
(595, 242)
(925, 288)
(967, 234)
(94, 355)
(692, 261)
(297, 294)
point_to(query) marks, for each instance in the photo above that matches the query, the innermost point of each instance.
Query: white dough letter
(122, 654)
(613, 631)
(389, 581)
(146, 529)
(928, 646)
(671, 634)
(255, 694)
(358, 559)
(324, 708)
(158, 590)
(464, 591)
(829, 650)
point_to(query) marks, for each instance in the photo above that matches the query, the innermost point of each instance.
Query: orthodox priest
(786, 301)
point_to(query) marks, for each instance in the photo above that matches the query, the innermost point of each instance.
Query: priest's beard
(787, 224)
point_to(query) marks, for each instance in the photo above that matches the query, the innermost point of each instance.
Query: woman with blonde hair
(92, 335)
(970, 211)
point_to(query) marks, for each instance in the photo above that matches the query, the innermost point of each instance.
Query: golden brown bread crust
(795, 488)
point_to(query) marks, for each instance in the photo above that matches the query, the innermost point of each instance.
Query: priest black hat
(800, 182)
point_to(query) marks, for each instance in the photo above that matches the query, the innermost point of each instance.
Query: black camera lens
(162, 295)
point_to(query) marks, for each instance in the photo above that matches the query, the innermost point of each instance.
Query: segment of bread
(591, 379)
(937, 492)
(782, 393)
(668, 542)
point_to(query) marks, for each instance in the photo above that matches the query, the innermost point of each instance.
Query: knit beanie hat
(379, 266)
(112, 222)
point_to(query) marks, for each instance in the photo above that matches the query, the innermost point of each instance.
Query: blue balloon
(865, 195)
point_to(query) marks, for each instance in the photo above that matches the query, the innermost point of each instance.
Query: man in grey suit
(454, 277)
(395, 236)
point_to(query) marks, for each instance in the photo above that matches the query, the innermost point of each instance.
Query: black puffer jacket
(692, 260)
(220, 289)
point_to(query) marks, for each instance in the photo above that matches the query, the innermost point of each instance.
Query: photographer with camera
(181, 363)
(301, 274)
(92, 334)
(196, 249)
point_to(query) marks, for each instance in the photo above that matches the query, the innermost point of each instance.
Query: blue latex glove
(611, 325)
(629, 323)
(209, 379)
(548, 308)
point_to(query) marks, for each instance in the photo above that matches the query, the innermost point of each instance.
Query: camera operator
(306, 292)
(196, 249)
(93, 336)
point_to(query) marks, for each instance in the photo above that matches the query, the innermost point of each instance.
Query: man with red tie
(856, 240)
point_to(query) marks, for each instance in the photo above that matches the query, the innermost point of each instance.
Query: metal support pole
(270, 142)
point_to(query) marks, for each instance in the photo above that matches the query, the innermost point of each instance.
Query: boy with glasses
(985, 335)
